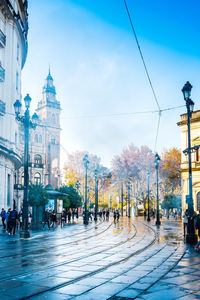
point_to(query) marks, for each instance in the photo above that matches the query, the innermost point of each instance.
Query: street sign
(18, 186)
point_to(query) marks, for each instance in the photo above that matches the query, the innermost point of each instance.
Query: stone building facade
(13, 52)
(195, 140)
(44, 146)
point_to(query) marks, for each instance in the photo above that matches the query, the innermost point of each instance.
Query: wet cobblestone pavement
(129, 260)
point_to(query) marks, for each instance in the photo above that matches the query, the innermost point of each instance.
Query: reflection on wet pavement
(130, 259)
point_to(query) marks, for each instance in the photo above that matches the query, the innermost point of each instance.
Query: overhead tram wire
(122, 114)
(146, 71)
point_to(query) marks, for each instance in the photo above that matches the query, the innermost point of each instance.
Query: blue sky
(97, 69)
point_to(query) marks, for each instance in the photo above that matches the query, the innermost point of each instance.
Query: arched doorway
(198, 201)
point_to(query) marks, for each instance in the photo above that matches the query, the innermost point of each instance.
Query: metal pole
(191, 236)
(158, 214)
(96, 195)
(148, 218)
(129, 208)
(86, 212)
(25, 233)
(122, 197)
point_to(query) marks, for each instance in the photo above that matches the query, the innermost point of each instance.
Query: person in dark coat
(69, 216)
(198, 224)
(53, 219)
(13, 218)
(3, 217)
(63, 217)
(46, 219)
(7, 220)
(107, 215)
(114, 216)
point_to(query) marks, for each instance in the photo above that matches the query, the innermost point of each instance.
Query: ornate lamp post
(157, 159)
(191, 236)
(27, 123)
(86, 162)
(96, 194)
(148, 217)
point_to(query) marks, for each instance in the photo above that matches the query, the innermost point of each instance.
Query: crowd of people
(11, 220)
(51, 220)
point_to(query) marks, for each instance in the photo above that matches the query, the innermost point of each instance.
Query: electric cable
(146, 71)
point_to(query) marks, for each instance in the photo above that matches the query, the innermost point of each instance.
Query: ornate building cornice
(20, 19)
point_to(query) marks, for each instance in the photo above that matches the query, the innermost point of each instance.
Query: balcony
(2, 39)
(2, 73)
(35, 165)
(2, 108)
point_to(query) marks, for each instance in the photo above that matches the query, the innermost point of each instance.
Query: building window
(36, 138)
(15, 138)
(53, 119)
(37, 178)
(40, 139)
(17, 52)
(22, 178)
(38, 159)
(8, 191)
(17, 81)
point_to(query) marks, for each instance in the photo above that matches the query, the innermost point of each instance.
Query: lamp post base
(158, 223)
(191, 238)
(148, 219)
(24, 234)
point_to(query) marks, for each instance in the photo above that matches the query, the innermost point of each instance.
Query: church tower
(49, 114)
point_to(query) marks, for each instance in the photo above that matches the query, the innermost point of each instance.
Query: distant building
(195, 140)
(13, 51)
(44, 146)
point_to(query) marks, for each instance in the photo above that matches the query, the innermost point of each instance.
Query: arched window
(37, 178)
(37, 159)
(22, 178)
(40, 139)
(198, 201)
(36, 138)
(53, 119)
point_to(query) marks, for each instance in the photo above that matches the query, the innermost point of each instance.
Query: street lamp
(157, 159)
(86, 162)
(27, 123)
(148, 217)
(129, 208)
(191, 236)
(96, 194)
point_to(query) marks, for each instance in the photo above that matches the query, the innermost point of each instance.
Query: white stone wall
(11, 60)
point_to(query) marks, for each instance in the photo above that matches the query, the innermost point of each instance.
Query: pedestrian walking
(3, 218)
(73, 214)
(198, 224)
(107, 215)
(104, 214)
(46, 219)
(114, 216)
(63, 217)
(7, 220)
(53, 219)
(20, 219)
(185, 222)
(13, 218)
(100, 214)
(118, 215)
(69, 216)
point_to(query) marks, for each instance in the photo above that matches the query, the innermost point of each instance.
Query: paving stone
(129, 293)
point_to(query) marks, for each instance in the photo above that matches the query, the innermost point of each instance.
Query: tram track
(71, 261)
(152, 241)
(63, 244)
